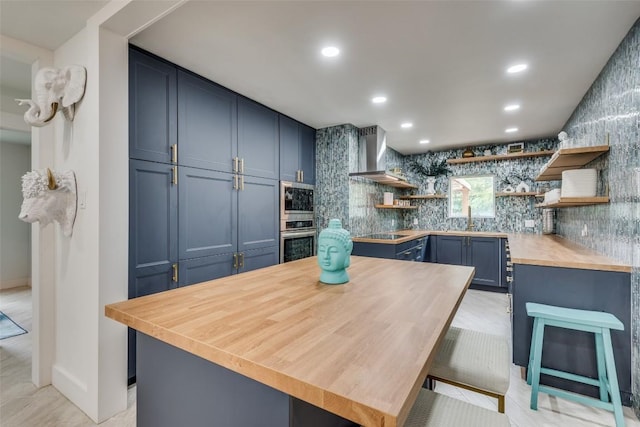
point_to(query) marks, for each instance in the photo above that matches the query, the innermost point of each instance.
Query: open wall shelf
(499, 157)
(569, 158)
(395, 207)
(521, 194)
(565, 202)
(423, 196)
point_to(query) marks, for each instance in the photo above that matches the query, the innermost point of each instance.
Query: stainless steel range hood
(372, 146)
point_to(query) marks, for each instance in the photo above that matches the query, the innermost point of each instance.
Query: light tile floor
(23, 405)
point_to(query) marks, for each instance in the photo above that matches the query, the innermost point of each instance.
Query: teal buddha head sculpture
(334, 253)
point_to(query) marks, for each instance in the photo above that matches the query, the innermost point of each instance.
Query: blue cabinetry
(153, 234)
(207, 124)
(258, 140)
(152, 107)
(483, 253)
(412, 250)
(208, 212)
(297, 151)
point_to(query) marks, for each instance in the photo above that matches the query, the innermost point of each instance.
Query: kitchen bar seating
(600, 323)
(475, 361)
(432, 409)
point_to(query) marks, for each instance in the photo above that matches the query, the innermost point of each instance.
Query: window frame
(473, 215)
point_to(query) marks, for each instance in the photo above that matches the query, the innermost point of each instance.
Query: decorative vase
(522, 187)
(334, 253)
(431, 180)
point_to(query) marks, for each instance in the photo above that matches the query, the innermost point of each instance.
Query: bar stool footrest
(585, 400)
(569, 376)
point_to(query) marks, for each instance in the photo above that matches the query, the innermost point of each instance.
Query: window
(475, 192)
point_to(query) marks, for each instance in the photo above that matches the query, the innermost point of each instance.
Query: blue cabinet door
(484, 254)
(308, 154)
(153, 236)
(258, 213)
(259, 258)
(199, 270)
(258, 139)
(289, 149)
(153, 227)
(208, 213)
(152, 107)
(451, 250)
(207, 124)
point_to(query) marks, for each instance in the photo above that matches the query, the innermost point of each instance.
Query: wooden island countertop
(361, 350)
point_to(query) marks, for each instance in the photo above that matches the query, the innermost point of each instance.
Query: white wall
(15, 235)
(83, 353)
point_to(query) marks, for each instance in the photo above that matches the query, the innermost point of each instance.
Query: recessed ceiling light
(379, 99)
(424, 141)
(406, 125)
(512, 107)
(517, 68)
(330, 51)
(511, 130)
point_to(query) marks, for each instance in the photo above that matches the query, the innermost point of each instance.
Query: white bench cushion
(432, 409)
(475, 359)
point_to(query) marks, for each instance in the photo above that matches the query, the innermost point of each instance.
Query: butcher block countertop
(361, 350)
(416, 234)
(554, 251)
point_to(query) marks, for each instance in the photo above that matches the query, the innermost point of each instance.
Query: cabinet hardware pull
(174, 153)
(235, 164)
(235, 261)
(302, 176)
(174, 276)
(241, 263)
(241, 182)
(241, 166)
(509, 263)
(174, 175)
(509, 279)
(235, 182)
(297, 176)
(509, 268)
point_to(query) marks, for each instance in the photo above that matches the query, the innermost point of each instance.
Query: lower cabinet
(483, 253)
(413, 250)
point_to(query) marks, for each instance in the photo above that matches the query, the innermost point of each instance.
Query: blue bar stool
(600, 324)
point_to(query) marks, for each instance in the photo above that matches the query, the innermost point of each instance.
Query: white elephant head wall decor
(49, 196)
(55, 89)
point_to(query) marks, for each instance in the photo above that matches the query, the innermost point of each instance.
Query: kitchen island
(274, 347)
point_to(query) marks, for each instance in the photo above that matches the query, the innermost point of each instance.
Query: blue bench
(600, 324)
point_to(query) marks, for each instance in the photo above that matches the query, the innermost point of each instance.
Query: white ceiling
(45, 23)
(441, 64)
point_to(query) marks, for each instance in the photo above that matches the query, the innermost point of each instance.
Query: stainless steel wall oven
(297, 222)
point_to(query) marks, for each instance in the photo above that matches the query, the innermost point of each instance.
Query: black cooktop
(384, 236)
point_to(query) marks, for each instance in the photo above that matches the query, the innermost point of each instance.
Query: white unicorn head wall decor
(55, 89)
(49, 196)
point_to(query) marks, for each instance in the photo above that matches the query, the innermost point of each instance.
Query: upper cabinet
(297, 151)
(152, 108)
(258, 146)
(207, 124)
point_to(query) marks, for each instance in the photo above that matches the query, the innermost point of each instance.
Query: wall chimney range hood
(372, 147)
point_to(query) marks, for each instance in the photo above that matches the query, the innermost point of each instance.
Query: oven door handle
(288, 234)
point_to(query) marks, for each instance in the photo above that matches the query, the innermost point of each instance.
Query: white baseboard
(15, 283)
(72, 388)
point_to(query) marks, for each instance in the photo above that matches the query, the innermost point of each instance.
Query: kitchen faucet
(470, 225)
